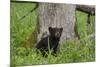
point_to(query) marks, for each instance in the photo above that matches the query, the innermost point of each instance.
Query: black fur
(52, 40)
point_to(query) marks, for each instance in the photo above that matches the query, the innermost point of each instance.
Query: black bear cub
(51, 41)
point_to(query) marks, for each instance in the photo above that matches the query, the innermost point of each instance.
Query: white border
(66, 65)
(89, 2)
(5, 34)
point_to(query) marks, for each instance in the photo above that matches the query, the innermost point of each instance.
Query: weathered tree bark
(57, 15)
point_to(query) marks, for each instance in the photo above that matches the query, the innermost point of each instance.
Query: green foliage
(83, 29)
(22, 29)
(71, 51)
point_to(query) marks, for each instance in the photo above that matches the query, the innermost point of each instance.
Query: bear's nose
(57, 34)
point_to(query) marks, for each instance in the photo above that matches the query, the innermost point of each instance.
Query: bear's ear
(50, 28)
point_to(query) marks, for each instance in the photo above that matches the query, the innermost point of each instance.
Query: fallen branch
(86, 9)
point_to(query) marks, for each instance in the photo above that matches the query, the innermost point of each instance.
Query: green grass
(71, 51)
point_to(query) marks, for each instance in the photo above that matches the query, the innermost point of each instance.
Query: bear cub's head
(55, 32)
